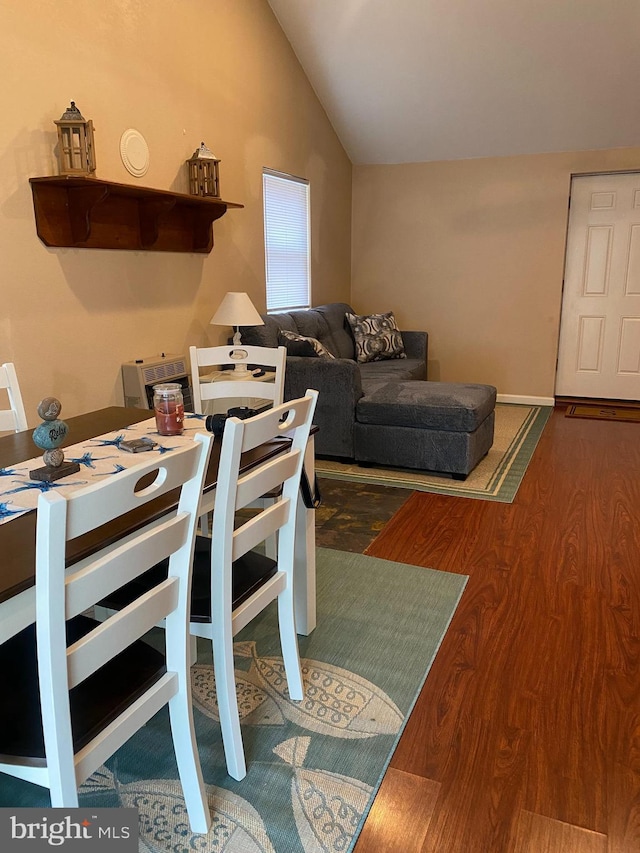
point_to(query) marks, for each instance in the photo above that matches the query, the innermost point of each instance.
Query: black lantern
(203, 173)
(75, 143)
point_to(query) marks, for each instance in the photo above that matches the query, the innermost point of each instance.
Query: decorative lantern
(203, 173)
(75, 143)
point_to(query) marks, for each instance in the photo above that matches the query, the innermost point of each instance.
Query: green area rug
(314, 766)
(495, 478)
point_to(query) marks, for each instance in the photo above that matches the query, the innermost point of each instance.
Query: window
(286, 241)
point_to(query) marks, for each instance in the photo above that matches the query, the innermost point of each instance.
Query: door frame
(572, 175)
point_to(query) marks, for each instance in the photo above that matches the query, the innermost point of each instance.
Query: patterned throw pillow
(376, 337)
(300, 345)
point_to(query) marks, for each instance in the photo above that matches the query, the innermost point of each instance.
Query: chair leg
(63, 784)
(64, 792)
(181, 718)
(60, 756)
(289, 644)
(223, 668)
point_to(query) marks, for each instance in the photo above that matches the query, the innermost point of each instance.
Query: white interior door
(599, 348)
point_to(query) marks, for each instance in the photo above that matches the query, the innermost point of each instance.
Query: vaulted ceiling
(420, 80)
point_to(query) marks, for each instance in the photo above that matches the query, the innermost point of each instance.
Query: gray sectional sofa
(382, 412)
(341, 382)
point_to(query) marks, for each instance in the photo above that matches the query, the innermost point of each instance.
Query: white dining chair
(78, 689)
(221, 357)
(233, 579)
(13, 418)
(272, 360)
(232, 582)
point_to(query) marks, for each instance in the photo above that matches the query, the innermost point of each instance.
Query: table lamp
(236, 310)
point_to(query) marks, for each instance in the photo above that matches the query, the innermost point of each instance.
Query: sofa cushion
(267, 335)
(341, 338)
(393, 370)
(311, 324)
(376, 337)
(326, 324)
(303, 346)
(454, 407)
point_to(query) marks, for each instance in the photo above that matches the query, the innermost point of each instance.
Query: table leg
(305, 554)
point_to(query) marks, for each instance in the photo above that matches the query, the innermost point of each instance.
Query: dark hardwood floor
(526, 736)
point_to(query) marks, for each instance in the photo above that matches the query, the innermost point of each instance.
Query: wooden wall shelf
(88, 213)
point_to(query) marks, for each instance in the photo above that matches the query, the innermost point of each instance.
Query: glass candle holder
(168, 406)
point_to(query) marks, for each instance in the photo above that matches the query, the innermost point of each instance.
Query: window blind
(287, 241)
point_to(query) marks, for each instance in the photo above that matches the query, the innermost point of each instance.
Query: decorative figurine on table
(49, 435)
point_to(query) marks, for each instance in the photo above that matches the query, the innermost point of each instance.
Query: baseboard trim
(525, 401)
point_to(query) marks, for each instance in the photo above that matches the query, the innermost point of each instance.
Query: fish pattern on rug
(327, 806)
(313, 766)
(164, 822)
(336, 702)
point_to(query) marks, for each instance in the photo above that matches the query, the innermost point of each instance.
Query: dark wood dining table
(17, 536)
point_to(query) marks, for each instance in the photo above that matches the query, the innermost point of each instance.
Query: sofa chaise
(382, 411)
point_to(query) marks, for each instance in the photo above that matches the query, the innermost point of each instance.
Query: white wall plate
(134, 152)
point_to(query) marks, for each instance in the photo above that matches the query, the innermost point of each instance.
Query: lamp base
(237, 343)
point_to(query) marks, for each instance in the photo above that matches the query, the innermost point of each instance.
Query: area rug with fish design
(313, 766)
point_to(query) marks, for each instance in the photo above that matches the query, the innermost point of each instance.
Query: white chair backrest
(13, 418)
(223, 356)
(59, 599)
(289, 421)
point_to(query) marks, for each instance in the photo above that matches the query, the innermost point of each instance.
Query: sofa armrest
(416, 345)
(339, 387)
(332, 375)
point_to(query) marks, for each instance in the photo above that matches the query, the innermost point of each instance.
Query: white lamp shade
(236, 309)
